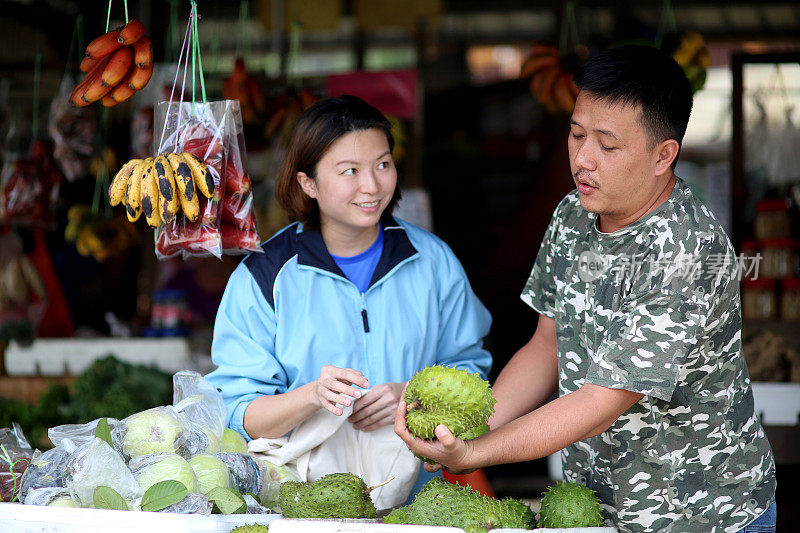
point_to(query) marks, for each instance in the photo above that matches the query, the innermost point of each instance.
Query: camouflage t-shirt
(654, 308)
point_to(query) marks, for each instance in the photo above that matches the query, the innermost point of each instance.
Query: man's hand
(377, 409)
(449, 452)
(334, 386)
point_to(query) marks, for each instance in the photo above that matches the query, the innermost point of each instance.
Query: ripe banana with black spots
(119, 185)
(133, 196)
(203, 180)
(187, 196)
(150, 196)
(168, 195)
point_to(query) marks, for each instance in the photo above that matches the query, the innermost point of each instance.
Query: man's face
(612, 162)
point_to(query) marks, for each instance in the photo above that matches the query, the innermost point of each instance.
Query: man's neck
(612, 223)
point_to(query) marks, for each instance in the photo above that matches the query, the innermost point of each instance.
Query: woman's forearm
(273, 416)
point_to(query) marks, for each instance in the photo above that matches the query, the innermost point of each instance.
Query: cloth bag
(326, 443)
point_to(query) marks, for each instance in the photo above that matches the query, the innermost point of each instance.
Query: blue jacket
(289, 311)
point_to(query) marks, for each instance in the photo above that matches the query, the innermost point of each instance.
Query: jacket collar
(397, 247)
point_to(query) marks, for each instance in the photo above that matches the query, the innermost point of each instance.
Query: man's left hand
(377, 407)
(450, 453)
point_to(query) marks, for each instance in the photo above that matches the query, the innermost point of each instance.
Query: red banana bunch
(117, 64)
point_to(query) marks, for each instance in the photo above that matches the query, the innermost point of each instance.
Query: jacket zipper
(364, 319)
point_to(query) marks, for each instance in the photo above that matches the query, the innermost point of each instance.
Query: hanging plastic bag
(23, 297)
(211, 132)
(29, 187)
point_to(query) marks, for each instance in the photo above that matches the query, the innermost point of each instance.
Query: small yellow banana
(119, 185)
(168, 204)
(186, 193)
(150, 195)
(203, 180)
(133, 196)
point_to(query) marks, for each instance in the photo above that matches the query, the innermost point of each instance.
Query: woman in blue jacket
(347, 297)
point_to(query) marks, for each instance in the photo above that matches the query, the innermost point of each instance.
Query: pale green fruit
(63, 501)
(214, 444)
(233, 442)
(155, 430)
(168, 466)
(211, 472)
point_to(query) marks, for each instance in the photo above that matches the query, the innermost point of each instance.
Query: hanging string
(77, 33)
(108, 16)
(243, 37)
(293, 73)
(569, 27)
(667, 18)
(101, 183)
(174, 83)
(37, 67)
(199, 57)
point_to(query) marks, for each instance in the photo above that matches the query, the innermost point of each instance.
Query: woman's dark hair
(316, 130)
(644, 76)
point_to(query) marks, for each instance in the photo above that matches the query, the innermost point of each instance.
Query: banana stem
(414, 405)
(370, 489)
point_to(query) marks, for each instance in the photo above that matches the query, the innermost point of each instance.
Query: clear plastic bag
(193, 503)
(247, 475)
(155, 430)
(29, 188)
(150, 469)
(271, 485)
(78, 433)
(253, 507)
(23, 296)
(96, 464)
(47, 470)
(15, 457)
(56, 496)
(202, 404)
(213, 132)
(73, 130)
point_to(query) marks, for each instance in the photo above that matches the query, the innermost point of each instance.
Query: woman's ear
(308, 185)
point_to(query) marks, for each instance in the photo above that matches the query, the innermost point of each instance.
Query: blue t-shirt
(360, 268)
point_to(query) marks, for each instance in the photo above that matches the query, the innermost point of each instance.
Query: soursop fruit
(570, 505)
(440, 503)
(251, 528)
(340, 495)
(398, 516)
(460, 400)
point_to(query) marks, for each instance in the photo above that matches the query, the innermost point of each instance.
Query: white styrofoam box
(18, 518)
(777, 404)
(293, 525)
(55, 357)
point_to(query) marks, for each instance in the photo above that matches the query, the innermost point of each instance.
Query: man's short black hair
(646, 76)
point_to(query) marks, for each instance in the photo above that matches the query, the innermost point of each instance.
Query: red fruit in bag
(233, 237)
(206, 240)
(245, 222)
(206, 148)
(236, 182)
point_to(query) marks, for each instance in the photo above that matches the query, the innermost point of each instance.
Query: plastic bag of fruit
(15, 457)
(202, 405)
(220, 218)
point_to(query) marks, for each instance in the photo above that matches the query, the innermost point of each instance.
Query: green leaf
(108, 498)
(227, 501)
(103, 431)
(163, 494)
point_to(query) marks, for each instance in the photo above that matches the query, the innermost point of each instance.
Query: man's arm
(529, 378)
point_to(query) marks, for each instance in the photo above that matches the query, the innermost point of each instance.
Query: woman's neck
(347, 243)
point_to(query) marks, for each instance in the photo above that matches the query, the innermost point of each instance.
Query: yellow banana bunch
(97, 236)
(162, 186)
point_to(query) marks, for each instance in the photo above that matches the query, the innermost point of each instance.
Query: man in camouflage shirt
(637, 287)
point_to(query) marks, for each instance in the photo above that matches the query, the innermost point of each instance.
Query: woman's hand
(377, 409)
(334, 386)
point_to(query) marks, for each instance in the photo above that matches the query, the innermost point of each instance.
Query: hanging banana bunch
(161, 187)
(117, 64)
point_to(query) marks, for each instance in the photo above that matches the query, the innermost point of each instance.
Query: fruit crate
(18, 518)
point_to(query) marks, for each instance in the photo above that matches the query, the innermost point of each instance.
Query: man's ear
(667, 151)
(309, 185)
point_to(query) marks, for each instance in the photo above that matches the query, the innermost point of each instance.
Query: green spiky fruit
(570, 505)
(398, 516)
(512, 513)
(443, 395)
(475, 529)
(341, 495)
(251, 528)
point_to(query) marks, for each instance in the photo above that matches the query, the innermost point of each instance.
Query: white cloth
(326, 444)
